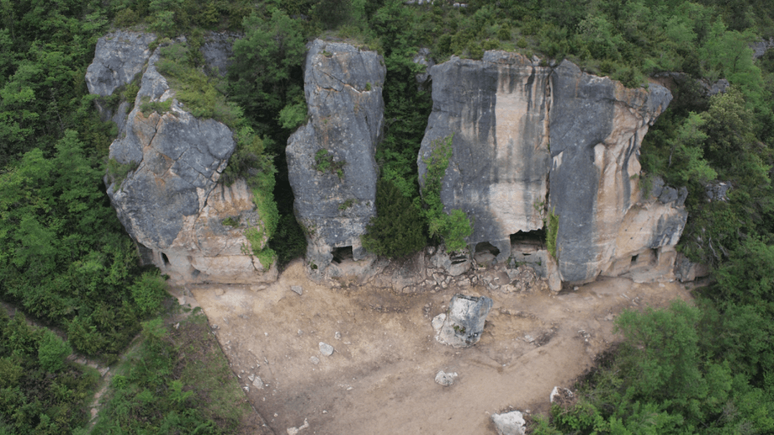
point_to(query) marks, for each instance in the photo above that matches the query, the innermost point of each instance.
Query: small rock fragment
(297, 289)
(445, 379)
(296, 430)
(437, 322)
(258, 383)
(509, 423)
(337, 335)
(326, 349)
(314, 360)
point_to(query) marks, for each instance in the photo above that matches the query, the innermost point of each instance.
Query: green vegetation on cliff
(65, 259)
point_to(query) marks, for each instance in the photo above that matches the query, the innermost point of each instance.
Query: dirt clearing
(380, 378)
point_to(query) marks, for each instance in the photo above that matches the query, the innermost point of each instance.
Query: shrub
(148, 291)
(397, 228)
(453, 227)
(324, 162)
(117, 172)
(52, 352)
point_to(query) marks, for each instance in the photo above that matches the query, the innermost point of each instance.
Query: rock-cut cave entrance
(342, 254)
(485, 253)
(165, 259)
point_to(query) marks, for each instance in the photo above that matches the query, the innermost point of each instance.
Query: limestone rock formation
(597, 126)
(497, 110)
(510, 423)
(331, 162)
(170, 203)
(521, 130)
(464, 321)
(120, 56)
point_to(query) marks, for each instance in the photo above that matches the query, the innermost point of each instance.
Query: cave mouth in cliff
(341, 254)
(528, 237)
(165, 259)
(484, 247)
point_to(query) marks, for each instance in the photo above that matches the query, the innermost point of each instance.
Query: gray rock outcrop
(331, 163)
(217, 52)
(597, 126)
(509, 423)
(519, 127)
(463, 323)
(497, 109)
(761, 47)
(170, 203)
(119, 57)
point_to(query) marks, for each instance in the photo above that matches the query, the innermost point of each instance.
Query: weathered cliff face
(170, 203)
(597, 126)
(497, 109)
(331, 162)
(120, 57)
(522, 130)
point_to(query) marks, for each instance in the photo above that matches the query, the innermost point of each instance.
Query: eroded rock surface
(521, 130)
(597, 126)
(331, 162)
(464, 321)
(119, 57)
(497, 109)
(171, 204)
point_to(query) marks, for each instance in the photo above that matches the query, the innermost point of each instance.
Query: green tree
(397, 228)
(52, 352)
(266, 60)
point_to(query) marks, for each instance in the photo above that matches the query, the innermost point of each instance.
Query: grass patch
(324, 162)
(117, 172)
(147, 107)
(177, 380)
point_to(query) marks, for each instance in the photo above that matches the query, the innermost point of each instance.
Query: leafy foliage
(39, 391)
(53, 262)
(455, 226)
(52, 352)
(157, 390)
(397, 229)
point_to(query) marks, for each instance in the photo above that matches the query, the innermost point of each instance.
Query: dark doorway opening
(165, 259)
(634, 258)
(529, 237)
(485, 247)
(341, 254)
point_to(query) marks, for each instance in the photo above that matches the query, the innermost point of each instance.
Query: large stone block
(331, 162)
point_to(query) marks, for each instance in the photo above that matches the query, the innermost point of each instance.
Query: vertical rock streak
(505, 111)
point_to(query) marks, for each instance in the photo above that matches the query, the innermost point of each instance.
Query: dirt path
(380, 379)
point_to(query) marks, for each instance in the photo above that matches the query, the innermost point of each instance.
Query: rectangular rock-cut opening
(165, 259)
(342, 254)
(526, 241)
(634, 258)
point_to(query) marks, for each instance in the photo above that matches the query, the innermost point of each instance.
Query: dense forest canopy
(66, 260)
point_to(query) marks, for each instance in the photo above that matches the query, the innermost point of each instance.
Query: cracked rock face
(522, 130)
(331, 162)
(497, 110)
(182, 220)
(119, 57)
(597, 126)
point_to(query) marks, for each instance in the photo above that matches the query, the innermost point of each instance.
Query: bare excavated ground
(380, 379)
